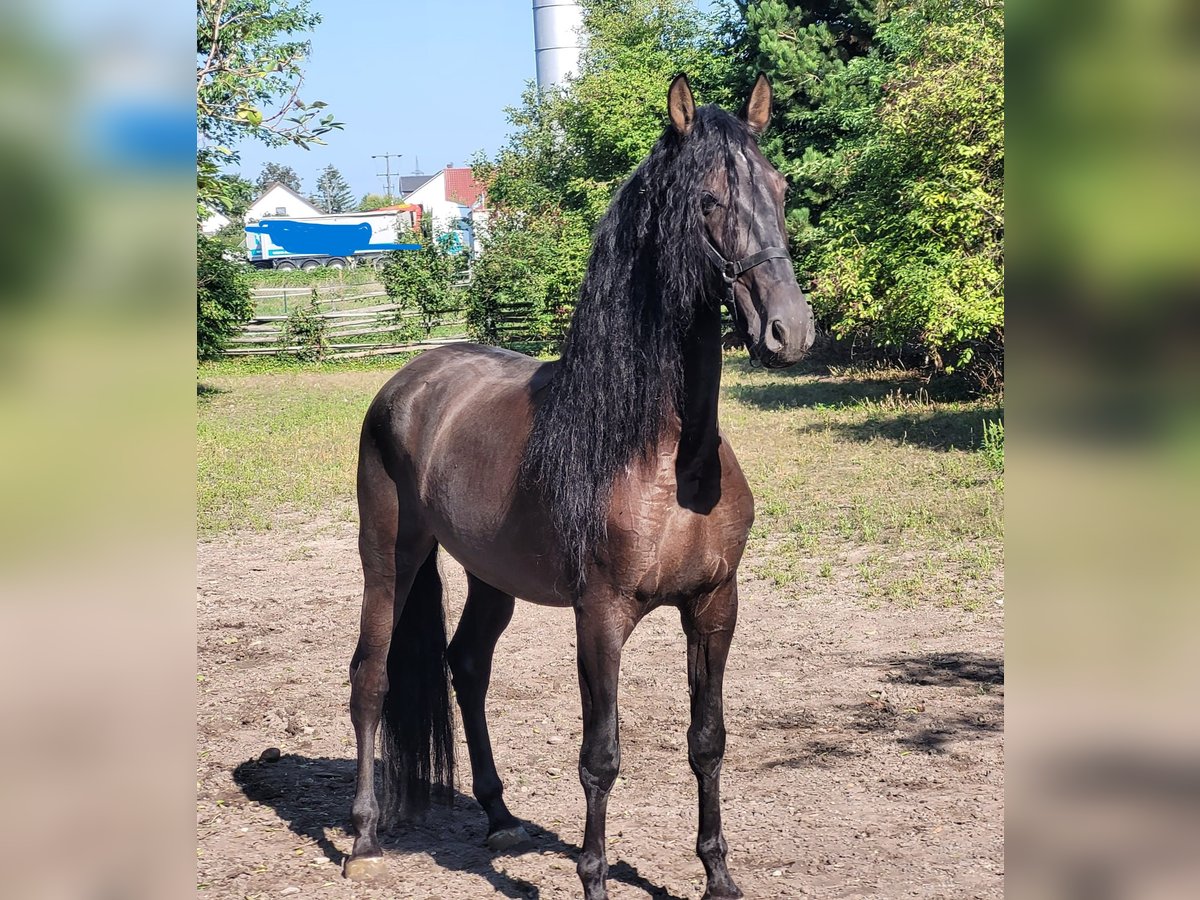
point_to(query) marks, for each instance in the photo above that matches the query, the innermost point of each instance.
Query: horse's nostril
(779, 332)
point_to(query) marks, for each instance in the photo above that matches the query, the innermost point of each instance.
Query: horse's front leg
(601, 628)
(708, 622)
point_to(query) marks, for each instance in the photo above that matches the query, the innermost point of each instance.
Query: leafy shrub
(306, 330)
(524, 284)
(223, 302)
(426, 280)
(909, 254)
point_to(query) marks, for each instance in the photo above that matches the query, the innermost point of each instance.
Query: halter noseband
(732, 270)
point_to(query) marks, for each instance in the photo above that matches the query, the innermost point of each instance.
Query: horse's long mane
(621, 369)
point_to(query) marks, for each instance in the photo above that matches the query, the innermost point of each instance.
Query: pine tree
(333, 192)
(275, 172)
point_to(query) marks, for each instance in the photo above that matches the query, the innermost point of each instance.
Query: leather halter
(732, 270)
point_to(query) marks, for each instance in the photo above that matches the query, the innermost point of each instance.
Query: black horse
(599, 482)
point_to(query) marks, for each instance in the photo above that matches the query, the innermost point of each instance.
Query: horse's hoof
(726, 891)
(507, 838)
(363, 868)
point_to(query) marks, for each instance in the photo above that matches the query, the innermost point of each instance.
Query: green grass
(993, 444)
(267, 278)
(228, 370)
(866, 479)
(863, 482)
(278, 443)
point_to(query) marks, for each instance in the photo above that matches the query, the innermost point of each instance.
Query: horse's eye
(708, 202)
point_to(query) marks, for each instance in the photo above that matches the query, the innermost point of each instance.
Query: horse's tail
(417, 737)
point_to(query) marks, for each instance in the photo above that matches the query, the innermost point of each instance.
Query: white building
(447, 197)
(280, 200)
(215, 222)
(451, 199)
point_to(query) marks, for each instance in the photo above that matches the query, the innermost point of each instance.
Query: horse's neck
(697, 465)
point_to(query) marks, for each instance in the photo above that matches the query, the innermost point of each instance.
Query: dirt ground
(864, 752)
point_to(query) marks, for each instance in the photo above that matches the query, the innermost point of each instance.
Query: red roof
(461, 187)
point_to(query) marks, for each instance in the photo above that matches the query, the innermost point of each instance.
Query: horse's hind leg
(485, 616)
(390, 562)
(708, 622)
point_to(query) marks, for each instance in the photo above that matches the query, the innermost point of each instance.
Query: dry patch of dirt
(864, 754)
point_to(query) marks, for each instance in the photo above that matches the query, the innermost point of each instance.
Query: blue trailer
(337, 241)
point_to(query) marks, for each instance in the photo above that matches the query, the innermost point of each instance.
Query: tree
(377, 201)
(333, 193)
(241, 194)
(804, 47)
(277, 173)
(888, 123)
(424, 280)
(248, 75)
(904, 249)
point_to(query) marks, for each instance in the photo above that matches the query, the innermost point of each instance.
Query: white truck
(337, 241)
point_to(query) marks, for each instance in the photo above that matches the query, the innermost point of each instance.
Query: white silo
(557, 39)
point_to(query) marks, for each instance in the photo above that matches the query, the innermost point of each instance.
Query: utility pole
(387, 164)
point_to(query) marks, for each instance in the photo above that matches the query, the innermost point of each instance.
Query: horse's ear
(681, 105)
(757, 111)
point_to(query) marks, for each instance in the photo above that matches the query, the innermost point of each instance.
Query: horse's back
(456, 367)
(432, 393)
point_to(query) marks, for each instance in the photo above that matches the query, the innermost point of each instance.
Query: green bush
(524, 284)
(306, 330)
(888, 123)
(908, 253)
(223, 302)
(426, 280)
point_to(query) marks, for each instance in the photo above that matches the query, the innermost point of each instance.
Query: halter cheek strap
(732, 270)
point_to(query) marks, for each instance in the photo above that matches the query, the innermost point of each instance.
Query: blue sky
(428, 80)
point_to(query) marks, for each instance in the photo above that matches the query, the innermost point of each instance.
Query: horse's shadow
(312, 796)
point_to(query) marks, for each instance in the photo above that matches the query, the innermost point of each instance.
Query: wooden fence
(355, 323)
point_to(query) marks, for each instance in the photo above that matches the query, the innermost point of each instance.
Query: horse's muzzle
(787, 336)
